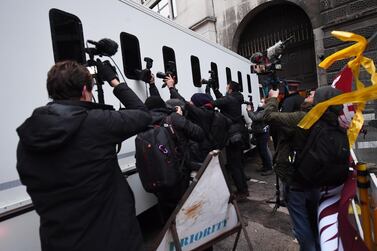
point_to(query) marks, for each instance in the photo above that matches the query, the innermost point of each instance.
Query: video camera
(170, 70)
(270, 60)
(104, 47)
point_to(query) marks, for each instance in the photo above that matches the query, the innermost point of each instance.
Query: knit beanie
(200, 99)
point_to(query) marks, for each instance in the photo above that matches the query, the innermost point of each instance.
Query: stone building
(248, 26)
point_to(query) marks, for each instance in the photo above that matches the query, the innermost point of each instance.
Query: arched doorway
(278, 22)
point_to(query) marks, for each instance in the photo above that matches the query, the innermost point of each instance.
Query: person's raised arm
(121, 90)
(153, 91)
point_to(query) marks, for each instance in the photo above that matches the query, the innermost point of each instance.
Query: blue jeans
(264, 151)
(302, 205)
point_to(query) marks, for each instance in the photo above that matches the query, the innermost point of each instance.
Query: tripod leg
(277, 200)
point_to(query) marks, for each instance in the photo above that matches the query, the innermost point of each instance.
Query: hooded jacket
(67, 159)
(293, 137)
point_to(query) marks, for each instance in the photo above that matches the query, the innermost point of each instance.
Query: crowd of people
(67, 156)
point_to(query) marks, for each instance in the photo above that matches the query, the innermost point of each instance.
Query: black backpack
(324, 161)
(219, 130)
(157, 159)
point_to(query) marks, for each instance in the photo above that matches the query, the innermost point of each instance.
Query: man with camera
(300, 194)
(67, 159)
(182, 131)
(230, 105)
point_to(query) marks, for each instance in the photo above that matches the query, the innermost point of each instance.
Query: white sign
(205, 214)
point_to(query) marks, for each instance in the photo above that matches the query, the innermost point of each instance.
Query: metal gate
(279, 22)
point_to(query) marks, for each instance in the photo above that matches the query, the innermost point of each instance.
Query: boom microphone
(105, 47)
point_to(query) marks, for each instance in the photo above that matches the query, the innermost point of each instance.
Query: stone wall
(359, 17)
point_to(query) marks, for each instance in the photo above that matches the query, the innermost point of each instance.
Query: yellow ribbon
(360, 96)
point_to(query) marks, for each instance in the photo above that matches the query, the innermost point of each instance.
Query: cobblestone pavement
(267, 231)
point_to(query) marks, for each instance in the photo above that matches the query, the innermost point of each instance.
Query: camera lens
(160, 75)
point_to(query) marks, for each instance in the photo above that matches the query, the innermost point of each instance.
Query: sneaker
(267, 173)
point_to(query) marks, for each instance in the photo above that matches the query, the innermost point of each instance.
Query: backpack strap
(167, 123)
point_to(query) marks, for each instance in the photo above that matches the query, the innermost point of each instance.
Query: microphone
(105, 47)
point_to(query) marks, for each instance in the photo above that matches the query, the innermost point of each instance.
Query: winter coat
(230, 105)
(258, 126)
(203, 117)
(67, 159)
(291, 137)
(292, 103)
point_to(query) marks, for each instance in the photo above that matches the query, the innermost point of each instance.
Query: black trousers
(234, 156)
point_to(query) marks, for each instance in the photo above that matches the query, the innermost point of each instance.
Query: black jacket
(230, 105)
(67, 159)
(258, 126)
(292, 103)
(203, 117)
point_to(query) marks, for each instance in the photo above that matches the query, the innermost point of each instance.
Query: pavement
(267, 230)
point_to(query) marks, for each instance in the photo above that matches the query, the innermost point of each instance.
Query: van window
(130, 55)
(195, 69)
(169, 61)
(248, 83)
(240, 80)
(215, 75)
(67, 36)
(228, 74)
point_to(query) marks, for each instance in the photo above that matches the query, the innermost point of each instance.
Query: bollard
(363, 185)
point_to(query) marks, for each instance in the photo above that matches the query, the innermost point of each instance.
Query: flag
(343, 82)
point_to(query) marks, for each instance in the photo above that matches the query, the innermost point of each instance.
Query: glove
(106, 71)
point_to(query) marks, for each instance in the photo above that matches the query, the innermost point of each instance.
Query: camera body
(146, 74)
(171, 70)
(211, 79)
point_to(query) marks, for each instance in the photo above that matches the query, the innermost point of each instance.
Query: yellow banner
(360, 96)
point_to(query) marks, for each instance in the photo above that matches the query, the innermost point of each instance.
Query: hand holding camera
(169, 81)
(107, 72)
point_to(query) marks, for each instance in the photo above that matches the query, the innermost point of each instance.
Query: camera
(250, 102)
(211, 79)
(170, 70)
(270, 60)
(212, 82)
(104, 47)
(146, 74)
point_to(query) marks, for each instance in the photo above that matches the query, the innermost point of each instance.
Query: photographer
(200, 111)
(230, 106)
(300, 195)
(67, 159)
(260, 131)
(183, 131)
(292, 102)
